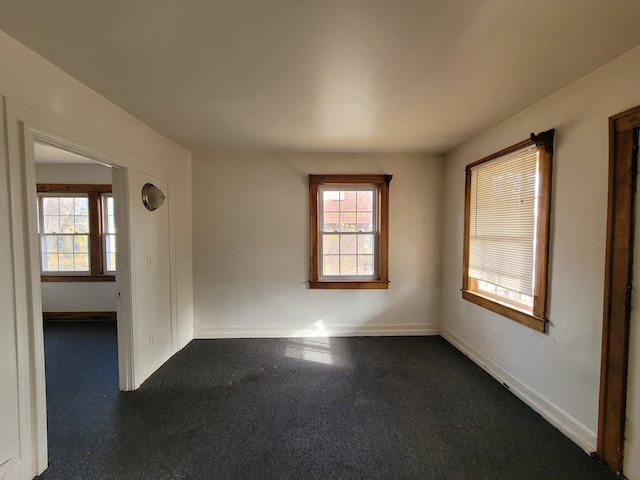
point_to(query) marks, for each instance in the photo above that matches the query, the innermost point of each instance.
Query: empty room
(332, 239)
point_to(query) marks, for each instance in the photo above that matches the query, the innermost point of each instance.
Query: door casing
(623, 166)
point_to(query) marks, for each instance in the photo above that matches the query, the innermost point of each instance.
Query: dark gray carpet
(344, 408)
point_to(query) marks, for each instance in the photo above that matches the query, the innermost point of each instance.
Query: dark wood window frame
(94, 193)
(536, 319)
(381, 182)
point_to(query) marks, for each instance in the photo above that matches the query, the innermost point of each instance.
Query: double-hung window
(108, 232)
(506, 243)
(349, 231)
(76, 226)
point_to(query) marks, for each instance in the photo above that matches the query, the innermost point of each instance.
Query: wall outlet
(152, 338)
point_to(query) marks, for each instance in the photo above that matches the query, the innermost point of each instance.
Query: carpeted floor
(340, 408)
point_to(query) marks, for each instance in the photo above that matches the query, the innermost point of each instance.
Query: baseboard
(77, 316)
(261, 331)
(569, 426)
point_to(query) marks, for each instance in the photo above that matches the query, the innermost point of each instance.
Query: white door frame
(23, 128)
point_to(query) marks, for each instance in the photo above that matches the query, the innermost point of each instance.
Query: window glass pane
(109, 230)
(348, 201)
(67, 224)
(81, 224)
(50, 262)
(111, 262)
(66, 206)
(66, 262)
(51, 224)
(365, 201)
(108, 218)
(81, 206)
(330, 265)
(348, 244)
(347, 211)
(347, 221)
(65, 253)
(49, 244)
(365, 244)
(110, 253)
(365, 264)
(81, 244)
(365, 221)
(331, 210)
(348, 265)
(50, 206)
(330, 244)
(65, 243)
(81, 262)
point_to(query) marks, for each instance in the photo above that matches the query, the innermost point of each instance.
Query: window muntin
(349, 231)
(502, 226)
(64, 233)
(507, 217)
(71, 225)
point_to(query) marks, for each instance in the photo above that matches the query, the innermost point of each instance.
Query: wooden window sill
(333, 285)
(77, 278)
(527, 319)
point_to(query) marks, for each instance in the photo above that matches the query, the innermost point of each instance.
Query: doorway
(618, 424)
(77, 241)
(24, 130)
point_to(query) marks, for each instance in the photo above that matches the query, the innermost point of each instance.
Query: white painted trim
(262, 331)
(8, 470)
(572, 428)
(22, 128)
(124, 282)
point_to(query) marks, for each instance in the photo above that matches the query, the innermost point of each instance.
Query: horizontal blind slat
(502, 221)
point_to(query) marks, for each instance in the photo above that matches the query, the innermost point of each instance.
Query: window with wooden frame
(349, 231)
(77, 233)
(506, 230)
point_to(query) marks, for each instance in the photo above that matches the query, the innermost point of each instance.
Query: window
(506, 243)
(108, 233)
(77, 232)
(349, 231)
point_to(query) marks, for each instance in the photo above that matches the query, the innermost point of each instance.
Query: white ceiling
(324, 75)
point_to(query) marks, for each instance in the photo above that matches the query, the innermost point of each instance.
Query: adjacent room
(338, 239)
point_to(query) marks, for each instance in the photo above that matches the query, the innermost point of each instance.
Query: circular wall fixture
(152, 197)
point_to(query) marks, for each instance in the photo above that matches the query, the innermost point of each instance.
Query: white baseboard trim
(572, 428)
(261, 331)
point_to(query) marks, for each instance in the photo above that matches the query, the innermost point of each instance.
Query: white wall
(251, 248)
(76, 296)
(73, 173)
(557, 372)
(39, 94)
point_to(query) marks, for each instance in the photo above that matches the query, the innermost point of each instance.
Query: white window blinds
(503, 221)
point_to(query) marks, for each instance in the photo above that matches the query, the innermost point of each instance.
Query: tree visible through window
(349, 231)
(77, 232)
(64, 234)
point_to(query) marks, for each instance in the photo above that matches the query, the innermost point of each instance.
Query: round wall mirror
(152, 197)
